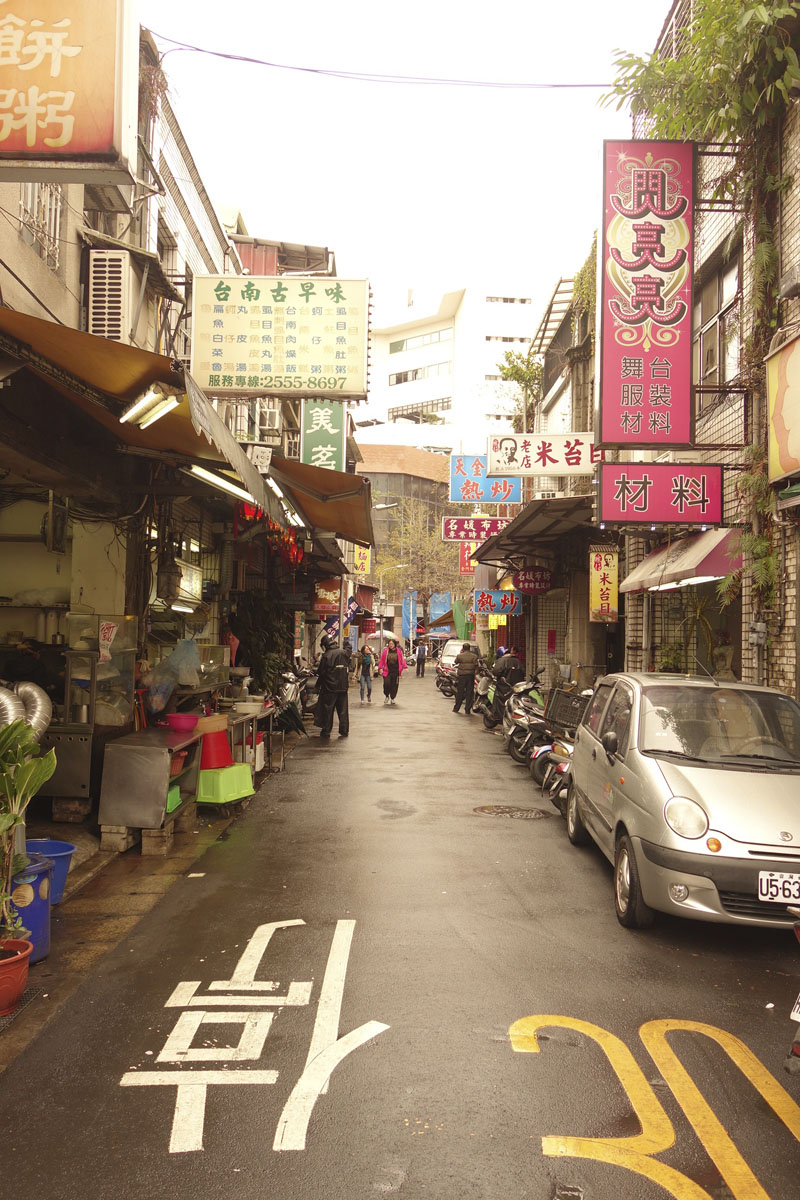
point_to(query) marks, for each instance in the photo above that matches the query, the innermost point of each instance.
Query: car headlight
(685, 817)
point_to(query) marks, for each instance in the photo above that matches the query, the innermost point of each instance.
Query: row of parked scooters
(538, 735)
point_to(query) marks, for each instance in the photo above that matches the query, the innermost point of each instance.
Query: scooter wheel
(489, 722)
(515, 750)
(538, 769)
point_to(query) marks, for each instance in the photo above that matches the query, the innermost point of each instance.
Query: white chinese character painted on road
(244, 992)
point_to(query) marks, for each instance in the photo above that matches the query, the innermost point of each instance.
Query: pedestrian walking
(333, 679)
(466, 664)
(365, 668)
(391, 666)
(422, 654)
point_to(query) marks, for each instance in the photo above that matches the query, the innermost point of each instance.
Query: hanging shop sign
(543, 454)
(508, 602)
(465, 552)
(645, 345)
(280, 335)
(783, 393)
(369, 625)
(69, 98)
(660, 493)
(326, 596)
(361, 560)
(470, 482)
(322, 434)
(603, 584)
(469, 529)
(534, 581)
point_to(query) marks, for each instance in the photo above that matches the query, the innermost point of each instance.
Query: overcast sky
(411, 185)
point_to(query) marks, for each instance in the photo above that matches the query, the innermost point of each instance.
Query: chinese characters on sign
(361, 560)
(603, 584)
(68, 88)
(322, 434)
(470, 483)
(465, 552)
(326, 596)
(279, 334)
(668, 493)
(534, 581)
(507, 602)
(472, 529)
(192, 1060)
(543, 454)
(646, 304)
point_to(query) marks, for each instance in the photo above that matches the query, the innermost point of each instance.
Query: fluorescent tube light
(225, 485)
(139, 405)
(178, 607)
(160, 410)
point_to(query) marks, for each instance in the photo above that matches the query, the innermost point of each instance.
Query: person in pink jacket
(391, 666)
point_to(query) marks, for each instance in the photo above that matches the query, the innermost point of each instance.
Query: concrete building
(435, 364)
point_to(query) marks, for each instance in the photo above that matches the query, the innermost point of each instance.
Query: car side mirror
(610, 743)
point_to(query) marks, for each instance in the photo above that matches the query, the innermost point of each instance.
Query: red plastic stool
(216, 751)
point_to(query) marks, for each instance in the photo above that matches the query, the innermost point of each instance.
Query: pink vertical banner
(645, 351)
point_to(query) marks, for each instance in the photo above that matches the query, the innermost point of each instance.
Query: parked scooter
(558, 765)
(523, 719)
(446, 679)
(792, 1063)
(483, 682)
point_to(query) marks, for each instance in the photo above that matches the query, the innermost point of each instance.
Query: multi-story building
(436, 364)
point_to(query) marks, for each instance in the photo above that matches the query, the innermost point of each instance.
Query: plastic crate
(565, 709)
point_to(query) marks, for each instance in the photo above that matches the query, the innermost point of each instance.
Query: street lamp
(381, 599)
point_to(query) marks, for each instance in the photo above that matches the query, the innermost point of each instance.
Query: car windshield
(719, 724)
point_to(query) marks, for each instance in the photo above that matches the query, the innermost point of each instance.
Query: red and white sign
(534, 581)
(472, 529)
(465, 552)
(368, 625)
(543, 454)
(660, 493)
(645, 368)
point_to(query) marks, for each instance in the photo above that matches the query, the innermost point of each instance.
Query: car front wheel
(576, 830)
(632, 912)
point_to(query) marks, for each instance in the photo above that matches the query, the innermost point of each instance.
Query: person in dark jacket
(466, 664)
(509, 668)
(334, 678)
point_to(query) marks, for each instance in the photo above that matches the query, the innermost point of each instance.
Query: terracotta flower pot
(13, 973)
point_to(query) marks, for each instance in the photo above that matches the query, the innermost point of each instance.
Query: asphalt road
(413, 998)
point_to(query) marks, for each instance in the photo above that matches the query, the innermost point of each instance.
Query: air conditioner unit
(112, 288)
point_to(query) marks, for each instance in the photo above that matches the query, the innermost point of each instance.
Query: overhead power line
(367, 77)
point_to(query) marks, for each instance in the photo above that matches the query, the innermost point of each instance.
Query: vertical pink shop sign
(645, 345)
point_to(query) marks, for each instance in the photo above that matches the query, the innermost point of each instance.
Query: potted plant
(23, 771)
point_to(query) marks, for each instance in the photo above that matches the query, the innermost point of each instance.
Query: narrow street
(359, 952)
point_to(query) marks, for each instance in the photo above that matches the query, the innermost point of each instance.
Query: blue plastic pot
(30, 896)
(61, 854)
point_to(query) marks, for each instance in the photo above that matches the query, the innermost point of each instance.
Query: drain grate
(28, 995)
(506, 810)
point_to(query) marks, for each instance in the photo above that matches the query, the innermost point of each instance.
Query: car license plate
(794, 1015)
(778, 887)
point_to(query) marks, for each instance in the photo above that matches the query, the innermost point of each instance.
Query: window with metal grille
(40, 209)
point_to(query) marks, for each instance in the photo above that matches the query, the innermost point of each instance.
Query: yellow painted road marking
(634, 1152)
(735, 1171)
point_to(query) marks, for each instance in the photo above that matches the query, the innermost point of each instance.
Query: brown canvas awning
(334, 501)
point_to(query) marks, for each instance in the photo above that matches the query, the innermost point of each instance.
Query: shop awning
(541, 522)
(332, 501)
(102, 378)
(687, 561)
(445, 619)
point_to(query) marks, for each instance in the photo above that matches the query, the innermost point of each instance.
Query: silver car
(691, 789)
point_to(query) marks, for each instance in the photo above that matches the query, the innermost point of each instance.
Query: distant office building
(437, 365)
